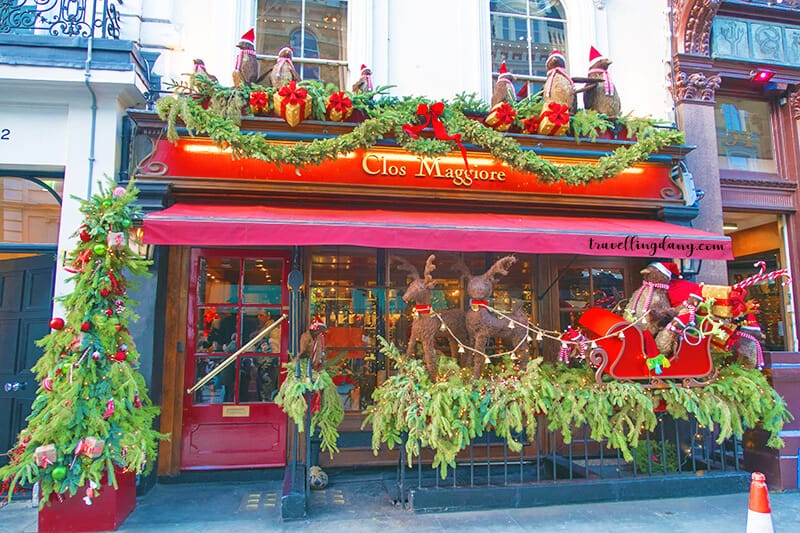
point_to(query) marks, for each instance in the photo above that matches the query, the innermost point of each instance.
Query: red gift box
(338, 107)
(291, 103)
(554, 120)
(501, 117)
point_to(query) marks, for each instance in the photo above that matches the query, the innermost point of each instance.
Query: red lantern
(57, 323)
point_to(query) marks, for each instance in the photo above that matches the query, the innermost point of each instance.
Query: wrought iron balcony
(68, 18)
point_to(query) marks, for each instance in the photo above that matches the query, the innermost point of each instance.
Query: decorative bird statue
(504, 88)
(364, 83)
(246, 69)
(558, 87)
(283, 71)
(602, 96)
(200, 68)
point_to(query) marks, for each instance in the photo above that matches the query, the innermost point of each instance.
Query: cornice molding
(771, 184)
(692, 20)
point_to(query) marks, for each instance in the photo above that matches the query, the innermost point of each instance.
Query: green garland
(208, 108)
(445, 415)
(292, 399)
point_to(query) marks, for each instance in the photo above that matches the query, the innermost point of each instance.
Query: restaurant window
(344, 292)
(315, 29)
(524, 32)
(744, 135)
(583, 287)
(30, 212)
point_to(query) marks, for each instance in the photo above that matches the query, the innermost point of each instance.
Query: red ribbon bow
(504, 113)
(557, 113)
(258, 100)
(432, 114)
(292, 94)
(339, 102)
(531, 125)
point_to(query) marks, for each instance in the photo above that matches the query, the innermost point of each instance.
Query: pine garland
(292, 399)
(208, 108)
(447, 414)
(89, 380)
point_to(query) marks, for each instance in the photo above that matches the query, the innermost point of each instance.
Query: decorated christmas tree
(92, 413)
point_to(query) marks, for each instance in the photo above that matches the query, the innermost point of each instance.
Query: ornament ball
(109, 312)
(106, 203)
(59, 473)
(85, 236)
(126, 223)
(95, 355)
(120, 356)
(118, 191)
(47, 383)
(118, 326)
(57, 323)
(99, 249)
(104, 292)
(86, 326)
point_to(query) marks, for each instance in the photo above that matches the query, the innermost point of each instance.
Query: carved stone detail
(794, 103)
(692, 21)
(696, 87)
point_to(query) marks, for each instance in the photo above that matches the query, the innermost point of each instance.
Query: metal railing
(68, 18)
(674, 447)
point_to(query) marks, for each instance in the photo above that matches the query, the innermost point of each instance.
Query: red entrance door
(233, 422)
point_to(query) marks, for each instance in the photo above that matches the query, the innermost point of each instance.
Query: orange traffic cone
(759, 514)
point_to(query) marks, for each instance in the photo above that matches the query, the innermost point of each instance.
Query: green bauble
(106, 203)
(59, 473)
(99, 249)
(126, 223)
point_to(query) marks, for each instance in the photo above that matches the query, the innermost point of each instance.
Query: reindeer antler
(500, 267)
(429, 268)
(404, 265)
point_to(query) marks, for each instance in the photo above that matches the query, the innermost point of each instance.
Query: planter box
(107, 512)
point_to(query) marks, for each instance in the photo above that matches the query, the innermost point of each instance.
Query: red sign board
(396, 168)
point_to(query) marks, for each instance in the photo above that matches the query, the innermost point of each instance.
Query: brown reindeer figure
(427, 326)
(482, 324)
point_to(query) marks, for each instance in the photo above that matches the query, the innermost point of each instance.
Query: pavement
(363, 503)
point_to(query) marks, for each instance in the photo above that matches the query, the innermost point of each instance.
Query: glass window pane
(29, 213)
(607, 287)
(258, 379)
(744, 135)
(220, 388)
(217, 329)
(218, 280)
(256, 319)
(262, 281)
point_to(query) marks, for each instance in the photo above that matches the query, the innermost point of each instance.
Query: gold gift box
(722, 299)
(293, 114)
(547, 127)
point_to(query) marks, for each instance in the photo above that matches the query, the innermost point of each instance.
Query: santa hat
(365, 69)
(595, 57)
(504, 73)
(249, 37)
(317, 324)
(667, 268)
(556, 53)
(680, 290)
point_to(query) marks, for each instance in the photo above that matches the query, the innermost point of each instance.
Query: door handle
(15, 386)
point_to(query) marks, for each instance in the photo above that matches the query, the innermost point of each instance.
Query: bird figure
(246, 70)
(200, 68)
(283, 71)
(504, 88)
(602, 96)
(558, 87)
(364, 83)
(650, 302)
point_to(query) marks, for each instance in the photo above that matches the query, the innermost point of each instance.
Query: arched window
(524, 32)
(314, 29)
(308, 44)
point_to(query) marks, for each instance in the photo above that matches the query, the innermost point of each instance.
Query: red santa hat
(504, 73)
(365, 69)
(595, 57)
(667, 268)
(751, 323)
(317, 324)
(249, 37)
(680, 290)
(556, 53)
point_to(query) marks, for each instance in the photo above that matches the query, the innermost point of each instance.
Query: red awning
(254, 225)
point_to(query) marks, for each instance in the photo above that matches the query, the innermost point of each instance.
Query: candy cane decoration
(762, 276)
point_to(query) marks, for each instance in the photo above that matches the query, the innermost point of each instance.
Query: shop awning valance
(255, 225)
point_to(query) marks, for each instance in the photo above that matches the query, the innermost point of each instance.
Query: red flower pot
(108, 510)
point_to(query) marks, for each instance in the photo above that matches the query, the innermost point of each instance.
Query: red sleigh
(622, 355)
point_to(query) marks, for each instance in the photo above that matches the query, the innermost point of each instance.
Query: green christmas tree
(92, 412)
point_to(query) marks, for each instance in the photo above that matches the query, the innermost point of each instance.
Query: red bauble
(47, 384)
(85, 237)
(109, 312)
(104, 292)
(57, 323)
(120, 356)
(118, 326)
(86, 326)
